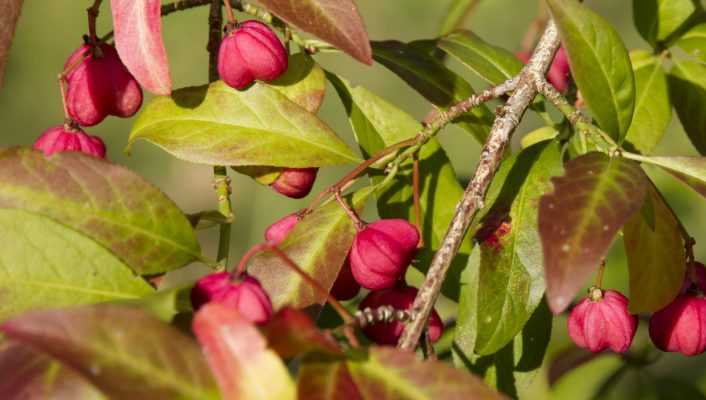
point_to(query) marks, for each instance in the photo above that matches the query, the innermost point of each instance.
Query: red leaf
(322, 380)
(292, 333)
(138, 38)
(335, 21)
(9, 14)
(238, 356)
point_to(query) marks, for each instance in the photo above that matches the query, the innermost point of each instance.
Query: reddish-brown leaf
(239, 358)
(292, 333)
(335, 21)
(138, 38)
(30, 375)
(9, 14)
(578, 221)
(324, 380)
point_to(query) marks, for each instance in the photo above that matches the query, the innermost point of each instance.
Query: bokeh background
(49, 30)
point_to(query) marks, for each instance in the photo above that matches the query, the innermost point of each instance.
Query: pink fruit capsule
(275, 233)
(680, 327)
(295, 182)
(345, 287)
(60, 139)
(246, 295)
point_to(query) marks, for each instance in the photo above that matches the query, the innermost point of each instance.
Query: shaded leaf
(335, 21)
(653, 110)
(599, 63)
(687, 85)
(219, 125)
(378, 124)
(292, 333)
(514, 367)
(9, 14)
(492, 63)
(566, 361)
(326, 380)
(30, 375)
(578, 221)
(388, 373)
(238, 356)
(694, 41)
(319, 244)
(511, 273)
(304, 83)
(438, 84)
(690, 170)
(138, 39)
(125, 352)
(456, 14)
(45, 264)
(656, 20)
(655, 253)
(107, 202)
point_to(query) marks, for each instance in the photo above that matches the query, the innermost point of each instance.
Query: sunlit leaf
(578, 221)
(319, 244)
(656, 20)
(510, 267)
(694, 41)
(304, 83)
(492, 63)
(335, 21)
(44, 264)
(377, 124)
(690, 170)
(687, 85)
(538, 135)
(125, 352)
(438, 84)
(30, 375)
(219, 125)
(387, 373)
(138, 39)
(655, 253)
(239, 358)
(653, 110)
(9, 14)
(599, 63)
(107, 202)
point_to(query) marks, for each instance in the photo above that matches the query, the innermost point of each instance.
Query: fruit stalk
(220, 173)
(508, 117)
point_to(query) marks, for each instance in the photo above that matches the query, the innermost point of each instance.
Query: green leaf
(455, 15)
(304, 83)
(690, 170)
(44, 264)
(539, 135)
(335, 21)
(388, 373)
(656, 20)
(514, 367)
(378, 124)
(319, 244)
(219, 125)
(653, 110)
(29, 374)
(655, 253)
(694, 41)
(492, 63)
(438, 84)
(110, 204)
(125, 352)
(239, 358)
(578, 221)
(599, 64)
(687, 86)
(511, 273)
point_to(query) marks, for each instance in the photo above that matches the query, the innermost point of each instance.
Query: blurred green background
(48, 31)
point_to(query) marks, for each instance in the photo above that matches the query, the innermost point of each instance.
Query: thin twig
(93, 12)
(504, 125)
(417, 202)
(357, 222)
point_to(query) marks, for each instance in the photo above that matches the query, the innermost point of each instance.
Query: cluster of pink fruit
(602, 320)
(97, 85)
(377, 261)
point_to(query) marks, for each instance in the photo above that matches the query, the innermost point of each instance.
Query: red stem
(359, 224)
(93, 12)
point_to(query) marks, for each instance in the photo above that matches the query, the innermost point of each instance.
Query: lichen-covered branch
(508, 117)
